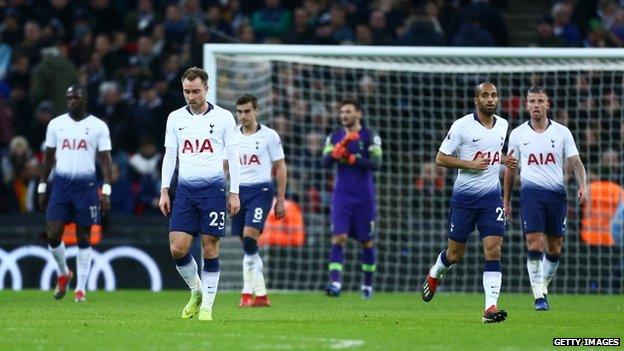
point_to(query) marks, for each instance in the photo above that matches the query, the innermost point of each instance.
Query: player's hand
(164, 203)
(351, 158)
(507, 210)
(105, 203)
(480, 163)
(582, 195)
(339, 152)
(280, 212)
(510, 161)
(351, 136)
(42, 199)
(233, 204)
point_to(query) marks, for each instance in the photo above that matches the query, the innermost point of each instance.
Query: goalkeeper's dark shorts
(357, 220)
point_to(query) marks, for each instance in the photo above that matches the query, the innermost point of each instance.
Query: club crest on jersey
(211, 128)
(248, 160)
(541, 159)
(194, 146)
(74, 144)
(493, 158)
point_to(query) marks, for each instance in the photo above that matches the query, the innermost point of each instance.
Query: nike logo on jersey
(475, 140)
(527, 143)
(181, 128)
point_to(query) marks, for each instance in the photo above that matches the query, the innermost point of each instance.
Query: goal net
(411, 96)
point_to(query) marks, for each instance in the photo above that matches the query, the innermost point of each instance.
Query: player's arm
(281, 174)
(373, 161)
(230, 140)
(328, 151)
(574, 162)
(106, 166)
(510, 173)
(480, 163)
(226, 170)
(168, 167)
(48, 163)
(581, 177)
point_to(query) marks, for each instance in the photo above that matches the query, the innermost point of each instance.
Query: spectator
(302, 32)
(272, 21)
(43, 115)
(52, 76)
(216, 23)
(150, 114)
(114, 111)
(546, 35)
(323, 33)
(471, 34)
(6, 124)
(341, 32)
(144, 170)
(122, 199)
(381, 33)
(563, 28)
(423, 28)
(32, 44)
(140, 21)
(21, 172)
(488, 18)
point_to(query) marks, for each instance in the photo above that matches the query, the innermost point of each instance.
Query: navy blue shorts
(205, 215)
(543, 217)
(356, 220)
(78, 205)
(256, 201)
(462, 221)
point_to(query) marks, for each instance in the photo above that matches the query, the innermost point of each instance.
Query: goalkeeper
(357, 151)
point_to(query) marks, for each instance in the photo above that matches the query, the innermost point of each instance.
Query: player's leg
(336, 262)
(83, 262)
(461, 225)
(533, 225)
(210, 275)
(237, 227)
(257, 210)
(87, 213)
(363, 228)
(212, 227)
(555, 228)
(182, 227)
(341, 220)
(58, 213)
(368, 268)
(491, 226)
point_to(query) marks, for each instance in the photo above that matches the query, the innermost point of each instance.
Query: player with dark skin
(76, 98)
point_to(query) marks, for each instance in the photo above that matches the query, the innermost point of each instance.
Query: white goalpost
(411, 95)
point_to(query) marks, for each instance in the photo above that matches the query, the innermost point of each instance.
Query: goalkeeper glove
(349, 137)
(339, 152)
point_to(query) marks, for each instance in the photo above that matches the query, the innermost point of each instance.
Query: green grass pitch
(141, 320)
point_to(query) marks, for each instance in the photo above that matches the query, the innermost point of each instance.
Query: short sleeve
(50, 140)
(452, 140)
(569, 146)
(276, 151)
(170, 136)
(104, 142)
(514, 144)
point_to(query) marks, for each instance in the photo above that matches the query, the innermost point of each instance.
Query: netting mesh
(412, 102)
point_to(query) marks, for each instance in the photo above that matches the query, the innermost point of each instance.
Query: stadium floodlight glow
(101, 265)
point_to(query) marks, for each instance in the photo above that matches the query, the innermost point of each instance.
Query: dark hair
(246, 98)
(477, 89)
(194, 73)
(536, 90)
(353, 102)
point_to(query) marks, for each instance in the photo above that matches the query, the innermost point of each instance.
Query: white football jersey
(200, 141)
(541, 155)
(77, 143)
(257, 152)
(467, 139)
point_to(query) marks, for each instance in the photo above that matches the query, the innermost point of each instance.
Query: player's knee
(554, 250)
(493, 252)
(369, 244)
(177, 252)
(339, 240)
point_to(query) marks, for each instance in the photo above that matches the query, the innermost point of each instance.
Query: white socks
(258, 277)
(253, 277)
(491, 286)
(59, 256)
(534, 267)
(188, 272)
(549, 268)
(248, 273)
(439, 268)
(210, 282)
(83, 267)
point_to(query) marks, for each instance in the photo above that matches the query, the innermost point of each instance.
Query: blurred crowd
(582, 23)
(130, 55)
